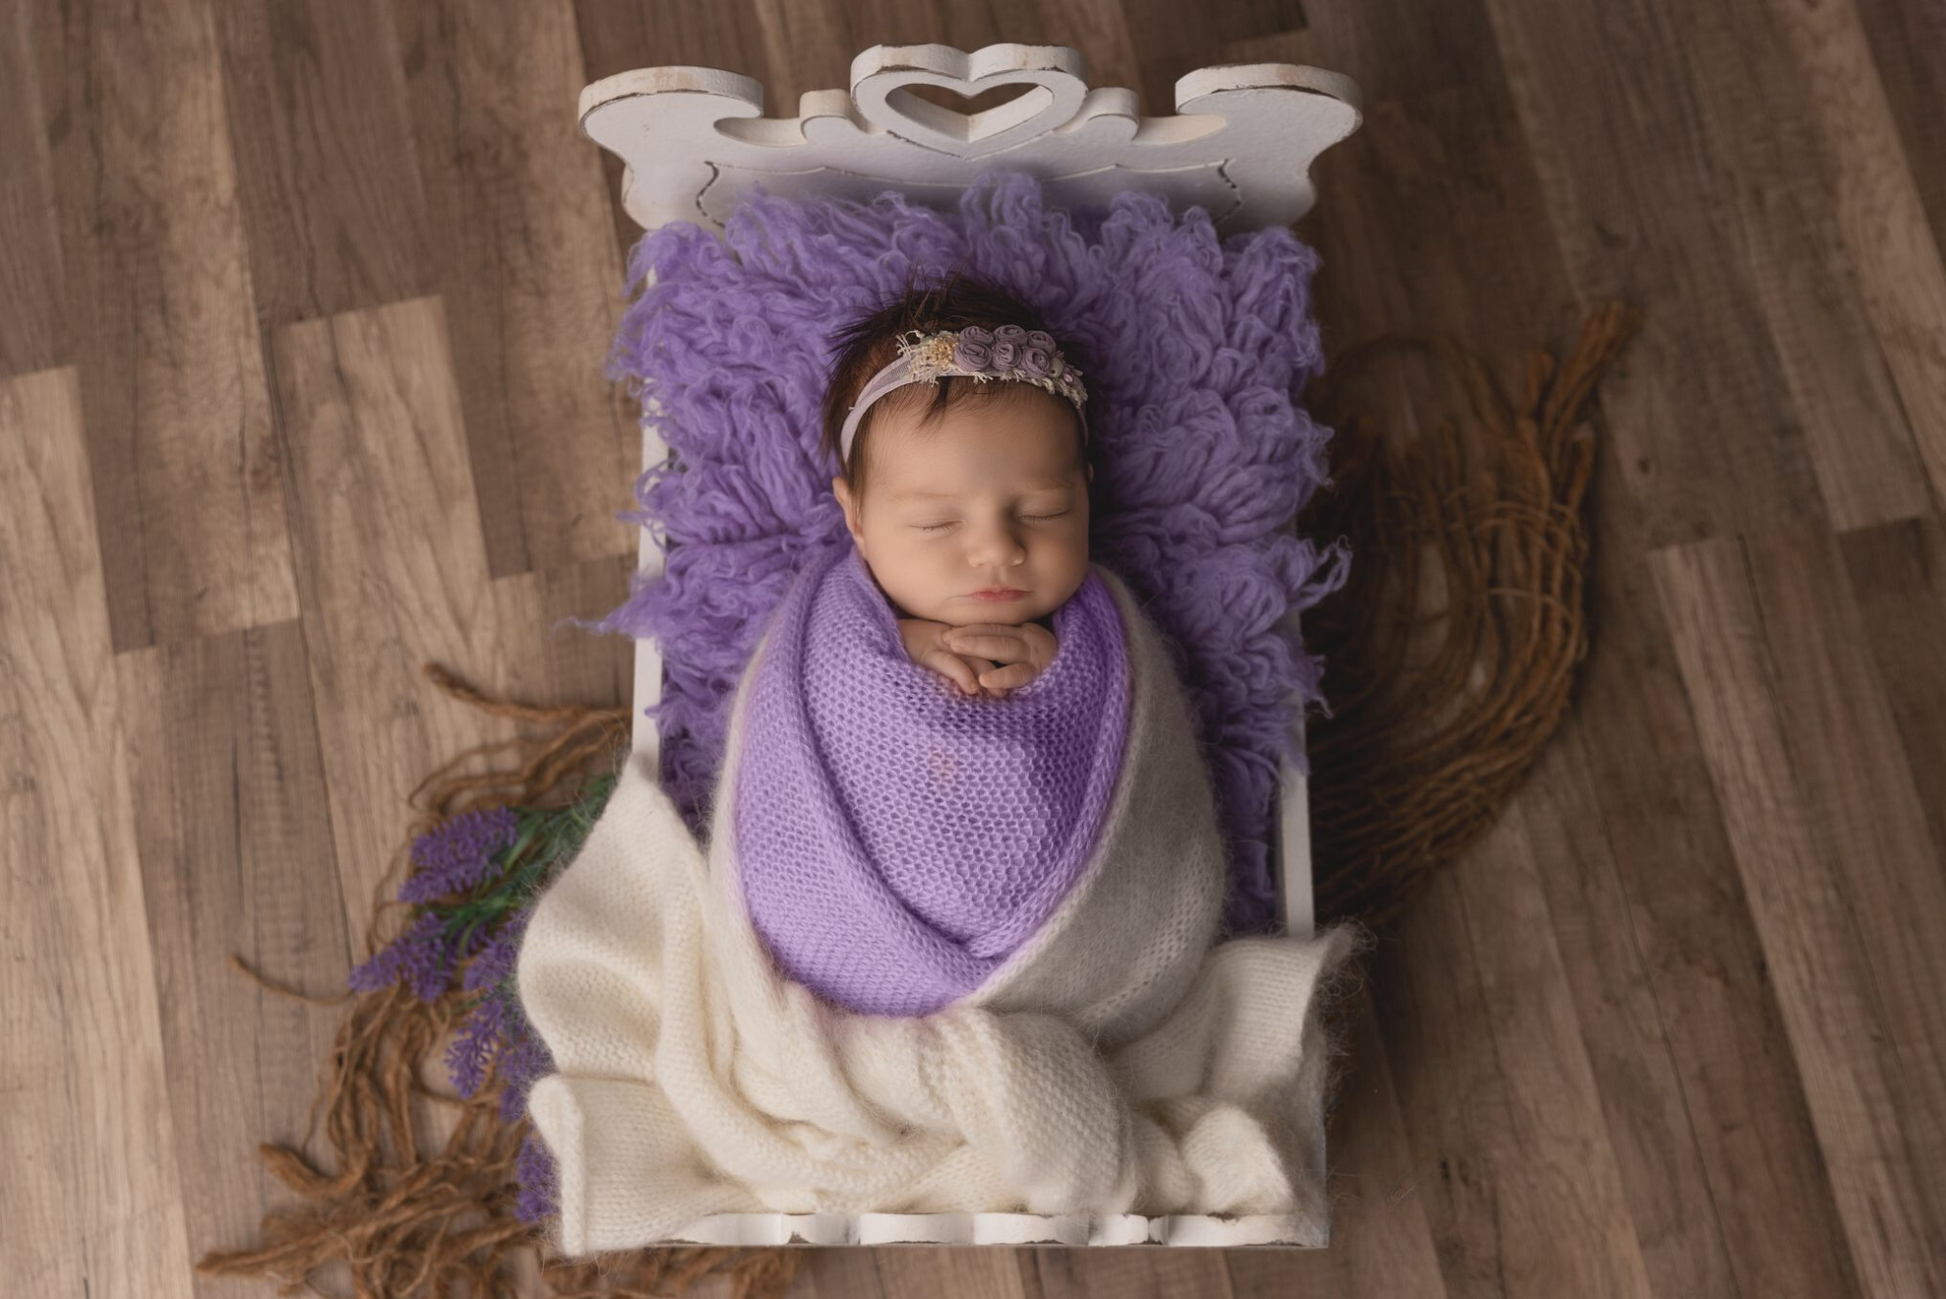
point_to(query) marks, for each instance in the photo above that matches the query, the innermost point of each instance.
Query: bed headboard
(1240, 143)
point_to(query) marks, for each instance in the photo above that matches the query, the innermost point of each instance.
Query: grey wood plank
(236, 852)
(189, 497)
(330, 192)
(529, 265)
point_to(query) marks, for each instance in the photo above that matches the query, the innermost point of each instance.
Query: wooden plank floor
(305, 304)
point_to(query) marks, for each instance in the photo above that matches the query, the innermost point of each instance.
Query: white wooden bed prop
(1239, 145)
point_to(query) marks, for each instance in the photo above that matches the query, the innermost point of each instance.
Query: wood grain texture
(300, 381)
(1894, 270)
(1496, 1083)
(180, 449)
(34, 326)
(1906, 37)
(91, 1194)
(236, 855)
(1840, 874)
(1898, 577)
(334, 209)
(393, 574)
(530, 270)
(1726, 1182)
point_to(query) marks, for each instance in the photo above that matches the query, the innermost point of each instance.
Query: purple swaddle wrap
(898, 840)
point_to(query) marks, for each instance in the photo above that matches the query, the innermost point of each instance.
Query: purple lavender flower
(495, 965)
(1005, 356)
(525, 1062)
(976, 334)
(1014, 334)
(1042, 339)
(534, 1169)
(459, 853)
(424, 956)
(1037, 361)
(482, 1037)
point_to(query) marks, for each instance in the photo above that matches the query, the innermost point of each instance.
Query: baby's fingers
(1001, 647)
(954, 668)
(1011, 677)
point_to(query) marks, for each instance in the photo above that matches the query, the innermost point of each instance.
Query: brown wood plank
(1495, 1083)
(1898, 575)
(331, 201)
(841, 1272)
(1906, 39)
(1886, 257)
(91, 1195)
(1842, 877)
(531, 272)
(962, 1271)
(186, 482)
(1684, 167)
(1111, 1272)
(34, 326)
(1725, 1178)
(236, 857)
(1380, 1243)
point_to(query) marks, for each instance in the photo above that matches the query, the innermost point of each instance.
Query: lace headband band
(1009, 352)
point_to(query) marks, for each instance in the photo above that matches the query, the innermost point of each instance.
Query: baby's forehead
(948, 487)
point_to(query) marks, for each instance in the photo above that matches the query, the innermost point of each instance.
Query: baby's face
(992, 495)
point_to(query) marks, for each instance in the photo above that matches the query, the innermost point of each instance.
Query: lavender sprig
(460, 853)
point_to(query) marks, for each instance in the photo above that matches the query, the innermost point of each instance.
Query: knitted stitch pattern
(1121, 1060)
(899, 839)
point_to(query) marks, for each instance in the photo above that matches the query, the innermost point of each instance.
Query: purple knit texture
(898, 839)
(1202, 348)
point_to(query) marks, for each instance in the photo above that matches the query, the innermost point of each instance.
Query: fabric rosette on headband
(1006, 352)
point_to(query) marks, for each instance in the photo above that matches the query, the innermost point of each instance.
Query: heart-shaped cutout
(952, 100)
(1021, 102)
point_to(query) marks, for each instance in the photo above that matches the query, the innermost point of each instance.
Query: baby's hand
(924, 646)
(1023, 652)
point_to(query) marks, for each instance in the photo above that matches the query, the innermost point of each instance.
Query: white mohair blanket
(1121, 1061)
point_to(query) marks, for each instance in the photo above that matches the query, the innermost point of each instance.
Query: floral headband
(1009, 352)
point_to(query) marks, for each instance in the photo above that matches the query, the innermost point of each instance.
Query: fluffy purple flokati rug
(1202, 348)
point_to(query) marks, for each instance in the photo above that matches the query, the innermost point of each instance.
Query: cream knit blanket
(1120, 1061)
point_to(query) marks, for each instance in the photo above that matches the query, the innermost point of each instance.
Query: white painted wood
(771, 1229)
(1240, 145)
(648, 565)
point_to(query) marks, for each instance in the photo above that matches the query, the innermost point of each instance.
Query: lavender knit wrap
(898, 840)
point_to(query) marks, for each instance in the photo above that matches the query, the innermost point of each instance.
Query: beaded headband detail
(1008, 352)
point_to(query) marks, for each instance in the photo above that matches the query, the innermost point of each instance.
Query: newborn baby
(975, 524)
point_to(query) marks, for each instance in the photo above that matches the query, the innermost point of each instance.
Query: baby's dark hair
(866, 345)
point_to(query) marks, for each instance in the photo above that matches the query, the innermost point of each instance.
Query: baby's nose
(996, 547)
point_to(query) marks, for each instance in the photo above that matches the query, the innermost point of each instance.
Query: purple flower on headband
(976, 334)
(971, 354)
(1037, 361)
(1006, 354)
(1041, 338)
(1010, 334)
